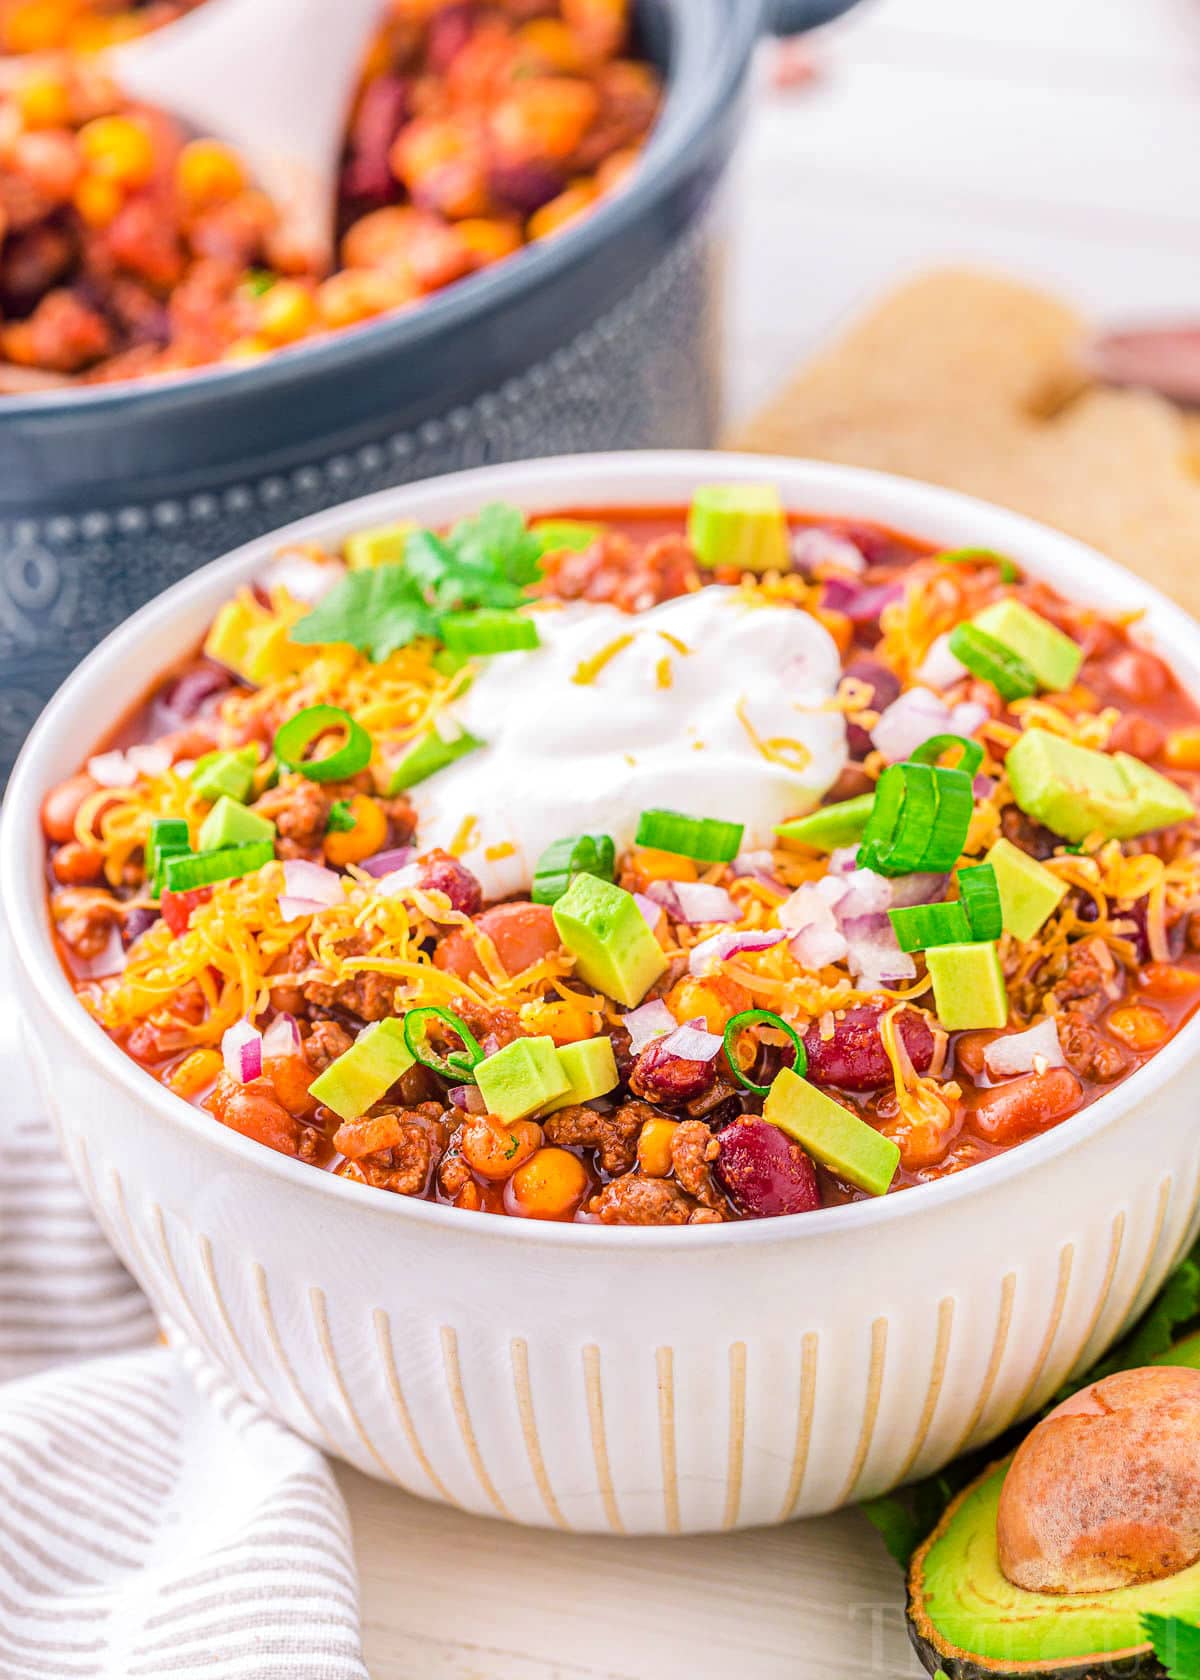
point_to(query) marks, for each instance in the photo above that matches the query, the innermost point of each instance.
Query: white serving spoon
(273, 78)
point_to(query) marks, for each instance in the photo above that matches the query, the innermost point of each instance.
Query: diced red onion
(468, 1098)
(242, 1050)
(917, 716)
(112, 770)
(983, 787)
(304, 578)
(308, 887)
(694, 901)
(692, 1043)
(867, 894)
(383, 863)
(940, 668)
(111, 960)
(757, 866)
(282, 1037)
(149, 758)
(916, 889)
(871, 602)
(398, 881)
(721, 946)
(813, 547)
(839, 593)
(647, 1022)
(650, 909)
(1016, 1053)
(873, 951)
(843, 860)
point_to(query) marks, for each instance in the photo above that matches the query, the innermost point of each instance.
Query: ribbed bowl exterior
(596, 1378)
(632, 1390)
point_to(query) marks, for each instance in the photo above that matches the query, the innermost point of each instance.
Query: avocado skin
(936, 1656)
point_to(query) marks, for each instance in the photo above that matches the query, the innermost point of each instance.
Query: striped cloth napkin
(152, 1522)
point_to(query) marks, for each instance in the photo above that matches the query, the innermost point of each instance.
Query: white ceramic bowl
(602, 1379)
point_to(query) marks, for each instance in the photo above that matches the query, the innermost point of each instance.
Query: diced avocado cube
(968, 986)
(231, 824)
(614, 949)
(591, 1069)
(427, 756)
(1029, 892)
(271, 653)
(230, 774)
(557, 534)
(1052, 656)
(1159, 801)
(739, 525)
(229, 638)
(384, 545)
(831, 1134)
(521, 1078)
(364, 1074)
(1076, 791)
(832, 826)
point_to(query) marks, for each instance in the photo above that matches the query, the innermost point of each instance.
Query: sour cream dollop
(709, 704)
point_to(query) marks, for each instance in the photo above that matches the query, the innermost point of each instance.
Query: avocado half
(968, 1622)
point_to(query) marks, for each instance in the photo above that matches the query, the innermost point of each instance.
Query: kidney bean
(854, 1057)
(1134, 914)
(764, 1172)
(135, 925)
(886, 686)
(450, 29)
(381, 114)
(1014, 1111)
(526, 186)
(442, 873)
(659, 1076)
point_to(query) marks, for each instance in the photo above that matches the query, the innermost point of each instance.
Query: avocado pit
(1105, 1492)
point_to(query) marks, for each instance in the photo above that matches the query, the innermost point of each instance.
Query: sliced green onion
(1009, 572)
(969, 759)
(918, 926)
(703, 838)
(577, 854)
(751, 1018)
(341, 818)
(488, 630)
(428, 756)
(830, 826)
(294, 738)
(979, 893)
(985, 657)
(201, 869)
(168, 838)
(919, 820)
(457, 1064)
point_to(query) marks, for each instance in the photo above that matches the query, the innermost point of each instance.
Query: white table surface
(1057, 139)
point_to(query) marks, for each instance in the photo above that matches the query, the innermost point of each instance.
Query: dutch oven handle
(792, 17)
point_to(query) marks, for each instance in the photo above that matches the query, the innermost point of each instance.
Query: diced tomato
(177, 907)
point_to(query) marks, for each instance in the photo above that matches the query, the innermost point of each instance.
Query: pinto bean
(523, 934)
(256, 1112)
(1020, 1108)
(61, 805)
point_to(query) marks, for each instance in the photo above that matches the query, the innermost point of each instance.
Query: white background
(1056, 139)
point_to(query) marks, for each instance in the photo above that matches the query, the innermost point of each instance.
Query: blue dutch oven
(606, 337)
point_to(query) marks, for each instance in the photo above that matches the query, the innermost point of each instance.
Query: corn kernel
(653, 865)
(209, 173)
(488, 239)
(194, 1073)
(287, 312)
(716, 1000)
(44, 101)
(368, 836)
(1139, 1026)
(550, 1185)
(654, 1147)
(97, 200)
(550, 40)
(249, 348)
(568, 207)
(119, 149)
(1182, 751)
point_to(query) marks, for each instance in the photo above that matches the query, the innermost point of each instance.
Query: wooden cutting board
(976, 382)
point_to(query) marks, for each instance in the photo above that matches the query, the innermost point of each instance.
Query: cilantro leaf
(341, 818)
(1176, 1645)
(376, 609)
(489, 560)
(451, 583)
(496, 539)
